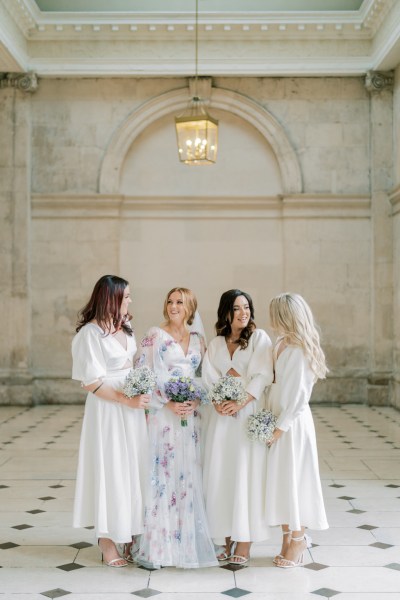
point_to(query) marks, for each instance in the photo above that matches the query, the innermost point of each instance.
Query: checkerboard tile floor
(41, 556)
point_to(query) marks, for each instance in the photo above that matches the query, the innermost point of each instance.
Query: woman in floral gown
(175, 531)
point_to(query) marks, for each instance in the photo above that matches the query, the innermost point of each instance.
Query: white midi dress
(114, 444)
(294, 494)
(235, 468)
(175, 530)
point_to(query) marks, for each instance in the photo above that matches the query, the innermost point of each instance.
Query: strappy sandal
(126, 553)
(242, 559)
(279, 556)
(284, 563)
(224, 556)
(113, 561)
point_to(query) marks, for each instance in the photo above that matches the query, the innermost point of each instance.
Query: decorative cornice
(377, 81)
(103, 206)
(26, 82)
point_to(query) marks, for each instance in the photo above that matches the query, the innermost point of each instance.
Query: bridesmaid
(235, 467)
(113, 446)
(175, 529)
(294, 495)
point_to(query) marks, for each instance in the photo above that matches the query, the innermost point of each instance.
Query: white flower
(139, 381)
(228, 388)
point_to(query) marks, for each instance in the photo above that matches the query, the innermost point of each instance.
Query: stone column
(381, 168)
(15, 176)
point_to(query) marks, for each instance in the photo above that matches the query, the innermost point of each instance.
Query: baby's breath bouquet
(140, 380)
(261, 426)
(227, 388)
(183, 389)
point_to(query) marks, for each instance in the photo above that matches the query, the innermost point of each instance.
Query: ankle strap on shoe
(298, 539)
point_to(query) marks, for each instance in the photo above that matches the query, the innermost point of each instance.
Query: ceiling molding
(47, 42)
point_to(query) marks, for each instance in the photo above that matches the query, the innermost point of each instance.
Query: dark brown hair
(104, 305)
(225, 316)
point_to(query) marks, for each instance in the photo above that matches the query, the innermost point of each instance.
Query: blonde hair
(291, 316)
(189, 304)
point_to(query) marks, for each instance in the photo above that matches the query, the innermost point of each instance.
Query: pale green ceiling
(229, 6)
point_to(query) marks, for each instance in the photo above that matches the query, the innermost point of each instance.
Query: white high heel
(279, 556)
(284, 563)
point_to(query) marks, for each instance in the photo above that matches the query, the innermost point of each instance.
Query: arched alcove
(174, 102)
(246, 166)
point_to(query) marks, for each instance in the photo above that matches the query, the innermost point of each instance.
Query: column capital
(26, 82)
(377, 81)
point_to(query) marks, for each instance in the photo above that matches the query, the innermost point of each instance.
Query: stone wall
(395, 198)
(298, 200)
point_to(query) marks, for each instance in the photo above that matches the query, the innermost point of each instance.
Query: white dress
(175, 529)
(294, 494)
(114, 443)
(234, 467)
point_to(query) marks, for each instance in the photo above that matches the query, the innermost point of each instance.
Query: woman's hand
(229, 408)
(275, 436)
(140, 401)
(191, 406)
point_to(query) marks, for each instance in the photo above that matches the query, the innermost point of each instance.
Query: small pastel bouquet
(184, 389)
(140, 380)
(226, 388)
(261, 426)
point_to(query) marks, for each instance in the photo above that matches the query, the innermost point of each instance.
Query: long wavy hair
(292, 317)
(189, 304)
(104, 306)
(225, 317)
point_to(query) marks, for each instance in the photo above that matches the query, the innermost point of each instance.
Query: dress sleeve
(210, 373)
(88, 361)
(260, 371)
(149, 354)
(295, 388)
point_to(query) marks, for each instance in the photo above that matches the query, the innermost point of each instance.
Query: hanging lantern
(196, 131)
(197, 135)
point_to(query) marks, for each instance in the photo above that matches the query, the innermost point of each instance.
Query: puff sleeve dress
(235, 468)
(294, 494)
(113, 448)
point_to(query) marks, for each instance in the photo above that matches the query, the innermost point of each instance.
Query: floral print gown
(175, 530)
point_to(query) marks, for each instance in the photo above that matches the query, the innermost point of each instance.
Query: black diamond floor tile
(2, 487)
(56, 486)
(392, 485)
(316, 566)
(395, 566)
(80, 545)
(36, 511)
(70, 567)
(46, 497)
(236, 592)
(346, 498)
(367, 527)
(57, 593)
(148, 568)
(8, 545)
(325, 592)
(337, 485)
(356, 511)
(23, 526)
(146, 593)
(90, 527)
(230, 567)
(381, 545)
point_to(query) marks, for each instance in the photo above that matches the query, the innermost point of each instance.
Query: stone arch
(176, 101)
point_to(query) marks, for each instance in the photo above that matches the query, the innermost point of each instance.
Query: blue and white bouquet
(261, 426)
(227, 388)
(184, 389)
(140, 380)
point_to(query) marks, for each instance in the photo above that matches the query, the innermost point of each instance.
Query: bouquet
(261, 426)
(139, 381)
(183, 389)
(226, 388)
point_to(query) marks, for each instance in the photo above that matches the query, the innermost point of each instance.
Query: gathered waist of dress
(117, 373)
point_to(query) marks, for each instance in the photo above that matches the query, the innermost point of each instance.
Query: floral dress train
(175, 529)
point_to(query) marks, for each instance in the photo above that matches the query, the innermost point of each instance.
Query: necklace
(179, 338)
(232, 341)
